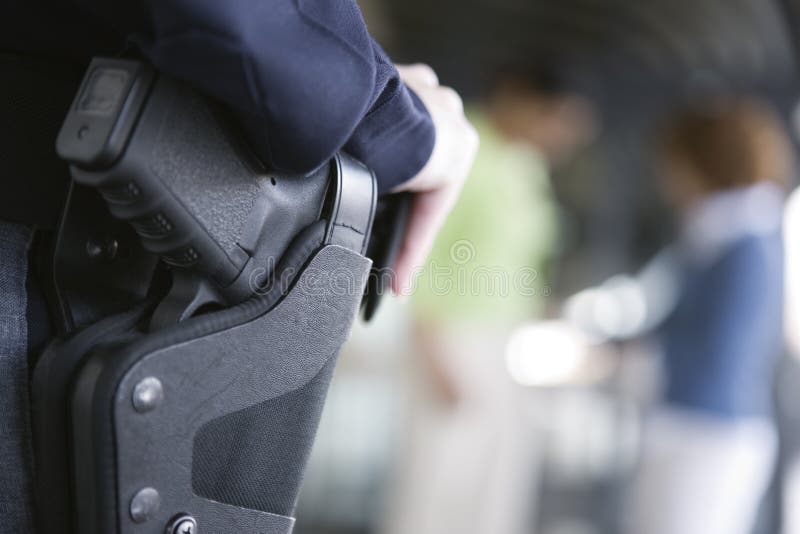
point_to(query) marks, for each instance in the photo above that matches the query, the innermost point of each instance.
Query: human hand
(437, 186)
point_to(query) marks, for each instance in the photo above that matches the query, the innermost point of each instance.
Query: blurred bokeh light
(520, 388)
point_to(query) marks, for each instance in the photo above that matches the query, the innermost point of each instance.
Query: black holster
(181, 397)
(213, 417)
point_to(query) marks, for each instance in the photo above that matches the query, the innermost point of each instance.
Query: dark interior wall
(731, 41)
(635, 60)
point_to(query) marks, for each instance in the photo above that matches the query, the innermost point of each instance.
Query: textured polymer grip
(169, 161)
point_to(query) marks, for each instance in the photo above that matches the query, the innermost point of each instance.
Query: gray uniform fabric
(16, 502)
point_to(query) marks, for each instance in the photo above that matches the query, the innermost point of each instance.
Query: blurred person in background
(468, 464)
(709, 448)
(715, 300)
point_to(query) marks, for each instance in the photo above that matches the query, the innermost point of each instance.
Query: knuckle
(450, 96)
(424, 72)
(424, 68)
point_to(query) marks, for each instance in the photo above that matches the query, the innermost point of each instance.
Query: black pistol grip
(168, 161)
(153, 410)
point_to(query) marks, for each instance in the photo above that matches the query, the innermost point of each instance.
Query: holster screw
(102, 248)
(147, 394)
(145, 505)
(184, 524)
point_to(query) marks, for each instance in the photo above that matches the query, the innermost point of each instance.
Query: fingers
(438, 184)
(450, 99)
(422, 78)
(418, 75)
(452, 157)
(417, 244)
(428, 214)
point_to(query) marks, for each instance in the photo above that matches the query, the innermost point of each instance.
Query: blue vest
(723, 340)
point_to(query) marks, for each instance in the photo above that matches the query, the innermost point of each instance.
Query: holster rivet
(184, 524)
(148, 394)
(106, 248)
(145, 505)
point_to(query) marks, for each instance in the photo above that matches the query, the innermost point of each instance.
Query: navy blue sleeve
(304, 76)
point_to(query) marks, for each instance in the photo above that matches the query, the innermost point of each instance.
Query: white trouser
(701, 474)
(467, 468)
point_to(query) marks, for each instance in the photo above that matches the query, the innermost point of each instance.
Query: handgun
(175, 165)
(176, 332)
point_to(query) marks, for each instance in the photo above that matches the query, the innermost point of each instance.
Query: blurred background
(597, 344)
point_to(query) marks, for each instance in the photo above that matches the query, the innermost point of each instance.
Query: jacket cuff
(395, 139)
